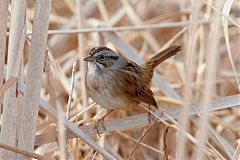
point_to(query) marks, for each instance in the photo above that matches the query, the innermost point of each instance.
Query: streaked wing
(134, 84)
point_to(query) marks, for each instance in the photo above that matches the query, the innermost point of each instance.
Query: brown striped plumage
(115, 82)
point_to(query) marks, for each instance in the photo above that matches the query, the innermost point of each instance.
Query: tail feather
(153, 62)
(162, 56)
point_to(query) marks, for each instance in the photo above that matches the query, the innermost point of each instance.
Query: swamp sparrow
(114, 82)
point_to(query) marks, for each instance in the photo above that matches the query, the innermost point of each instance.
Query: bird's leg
(151, 117)
(101, 121)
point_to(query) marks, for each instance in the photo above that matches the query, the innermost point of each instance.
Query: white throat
(92, 68)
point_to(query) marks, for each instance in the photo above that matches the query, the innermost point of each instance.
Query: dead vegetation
(45, 111)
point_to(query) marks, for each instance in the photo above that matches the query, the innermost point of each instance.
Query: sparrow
(115, 82)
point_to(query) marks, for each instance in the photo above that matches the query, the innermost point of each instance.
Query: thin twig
(82, 54)
(143, 144)
(49, 77)
(21, 151)
(7, 85)
(71, 91)
(236, 153)
(131, 28)
(81, 112)
(94, 155)
(29, 113)
(140, 139)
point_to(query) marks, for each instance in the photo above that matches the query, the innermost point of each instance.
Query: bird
(115, 82)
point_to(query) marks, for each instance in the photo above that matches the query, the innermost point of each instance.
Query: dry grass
(197, 90)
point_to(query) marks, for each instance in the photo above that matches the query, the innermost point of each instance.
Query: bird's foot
(96, 126)
(101, 121)
(152, 119)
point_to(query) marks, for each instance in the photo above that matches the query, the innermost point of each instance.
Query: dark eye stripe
(107, 57)
(112, 57)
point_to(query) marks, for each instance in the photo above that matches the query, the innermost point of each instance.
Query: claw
(151, 117)
(96, 126)
(101, 121)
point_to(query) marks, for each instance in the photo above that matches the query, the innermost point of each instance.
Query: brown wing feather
(135, 85)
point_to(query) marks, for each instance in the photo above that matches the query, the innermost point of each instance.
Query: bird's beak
(89, 58)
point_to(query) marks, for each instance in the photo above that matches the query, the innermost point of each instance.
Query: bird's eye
(102, 57)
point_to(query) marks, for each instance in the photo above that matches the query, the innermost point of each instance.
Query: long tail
(162, 56)
(153, 62)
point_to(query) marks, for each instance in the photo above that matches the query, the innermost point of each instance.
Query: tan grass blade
(21, 151)
(226, 11)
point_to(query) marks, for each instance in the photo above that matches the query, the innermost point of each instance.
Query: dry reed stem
(191, 44)
(23, 152)
(3, 31)
(137, 121)
(34, 76)
(131, 28)
(10, 113)
(82, 53)
(208, 88)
